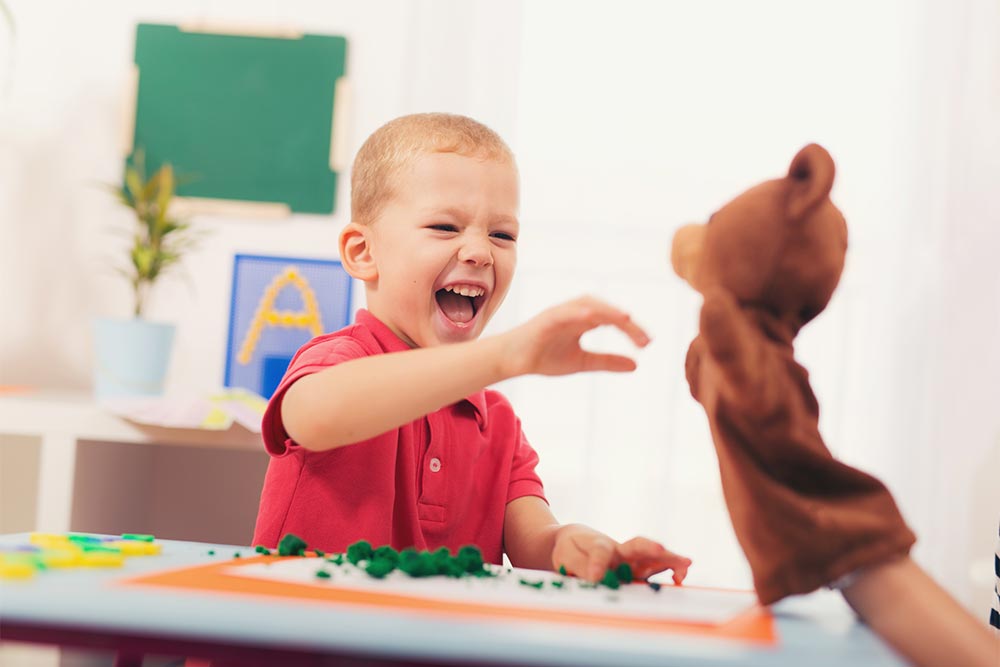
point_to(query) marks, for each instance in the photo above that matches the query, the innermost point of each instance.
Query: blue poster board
(279, 304)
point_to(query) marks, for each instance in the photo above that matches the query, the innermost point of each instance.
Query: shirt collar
(390, 342)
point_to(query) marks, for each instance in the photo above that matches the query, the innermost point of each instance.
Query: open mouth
(460, 303)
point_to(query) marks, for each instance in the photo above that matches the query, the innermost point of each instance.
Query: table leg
(56, 470)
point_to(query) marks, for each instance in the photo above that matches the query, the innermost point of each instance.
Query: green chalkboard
(245, 118)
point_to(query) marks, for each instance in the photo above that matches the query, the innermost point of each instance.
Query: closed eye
(443, 228)
(503, 235)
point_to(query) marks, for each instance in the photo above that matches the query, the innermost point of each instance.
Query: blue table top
(817, 629)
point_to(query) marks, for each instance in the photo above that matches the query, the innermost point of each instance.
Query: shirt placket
(434, 472)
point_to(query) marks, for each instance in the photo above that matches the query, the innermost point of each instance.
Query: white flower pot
(131, 357)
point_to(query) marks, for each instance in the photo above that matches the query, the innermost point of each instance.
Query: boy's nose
(477, 251)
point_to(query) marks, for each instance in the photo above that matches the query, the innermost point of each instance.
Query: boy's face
(445, 248)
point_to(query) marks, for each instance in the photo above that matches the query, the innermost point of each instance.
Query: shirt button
(435, 464)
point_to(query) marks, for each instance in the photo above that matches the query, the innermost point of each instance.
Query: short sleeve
(524, 481)
(310, 359)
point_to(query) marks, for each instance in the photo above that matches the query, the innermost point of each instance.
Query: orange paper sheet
(756, 625)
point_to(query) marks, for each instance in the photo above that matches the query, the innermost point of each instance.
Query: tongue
(456, 307)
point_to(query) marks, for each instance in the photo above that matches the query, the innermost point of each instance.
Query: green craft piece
(419, 564)
(211, 552)
(655, 586)
(322, 574)
(237, 555)
(336, 559)
(136, 537)
(610, 579)
(359, 551)
(440, 562)
(413, 563)
(624, 572)
(557, 584)
(88, 547)
(379, 567)
(470, 559)
(532, 584)
(319, 554)
(261, 549)
(386, 553)
(292, 545)
(562, 570)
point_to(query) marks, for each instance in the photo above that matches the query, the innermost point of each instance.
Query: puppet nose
(685, 252)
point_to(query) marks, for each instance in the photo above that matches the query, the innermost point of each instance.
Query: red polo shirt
(442, 480)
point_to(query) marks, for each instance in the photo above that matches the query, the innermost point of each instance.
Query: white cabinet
(67, 464)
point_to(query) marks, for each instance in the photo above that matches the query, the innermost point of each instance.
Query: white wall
(61, 137)
(629, 119)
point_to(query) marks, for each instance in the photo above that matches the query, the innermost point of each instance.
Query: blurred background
(628, 119)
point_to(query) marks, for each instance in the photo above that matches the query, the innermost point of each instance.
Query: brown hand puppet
(766, 263)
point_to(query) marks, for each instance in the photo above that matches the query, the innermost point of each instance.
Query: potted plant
(132, 355)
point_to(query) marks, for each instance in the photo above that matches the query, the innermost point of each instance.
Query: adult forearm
(919, 619)
(359, 399)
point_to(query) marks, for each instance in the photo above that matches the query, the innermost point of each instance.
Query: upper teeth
(466, 290)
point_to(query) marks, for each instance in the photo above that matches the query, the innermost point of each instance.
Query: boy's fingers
(594, 361)
(597, 313)
(601, 555)
(577, 554)
(635, 332)
(596, 551)
(649, 557)
(641, 547)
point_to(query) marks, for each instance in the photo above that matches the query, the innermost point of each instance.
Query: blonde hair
(392, 147)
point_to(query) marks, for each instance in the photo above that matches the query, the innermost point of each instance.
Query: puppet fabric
(766, 264)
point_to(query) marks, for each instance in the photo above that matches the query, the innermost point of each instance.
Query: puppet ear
(811, 178)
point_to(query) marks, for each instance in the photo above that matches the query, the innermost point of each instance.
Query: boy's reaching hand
(549, 344)
(588, 553)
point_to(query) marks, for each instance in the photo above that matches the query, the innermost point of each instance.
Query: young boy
(383, 430)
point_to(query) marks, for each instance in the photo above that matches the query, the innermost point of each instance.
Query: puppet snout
(685, 252)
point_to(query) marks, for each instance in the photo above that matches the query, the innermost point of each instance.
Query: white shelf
(62, 421)
(44, 413)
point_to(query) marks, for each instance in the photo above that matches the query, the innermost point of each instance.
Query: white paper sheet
(671, 603)
(213, 412)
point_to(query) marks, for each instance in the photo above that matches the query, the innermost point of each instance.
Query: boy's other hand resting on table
(534, 539)
(588, 553)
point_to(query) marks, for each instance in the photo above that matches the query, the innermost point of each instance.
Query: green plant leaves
(159, 241)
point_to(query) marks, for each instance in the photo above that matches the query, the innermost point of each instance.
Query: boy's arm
(362, 398)
(534, 539)
(359, 399)
(920, 620)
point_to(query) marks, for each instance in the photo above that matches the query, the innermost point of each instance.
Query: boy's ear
(355, 252)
